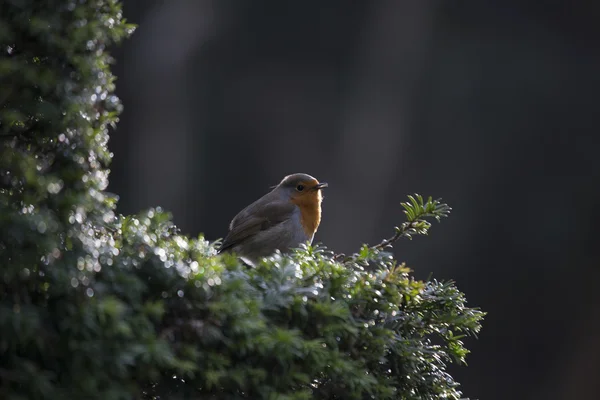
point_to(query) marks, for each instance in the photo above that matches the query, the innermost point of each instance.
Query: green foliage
(99, 306)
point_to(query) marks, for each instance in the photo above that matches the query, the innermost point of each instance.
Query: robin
(280, 220)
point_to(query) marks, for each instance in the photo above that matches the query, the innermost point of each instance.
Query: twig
(404, 228)
(416, 211)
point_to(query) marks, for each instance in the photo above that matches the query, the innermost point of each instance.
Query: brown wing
(258, 216)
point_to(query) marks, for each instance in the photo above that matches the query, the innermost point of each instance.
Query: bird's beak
(321, 185)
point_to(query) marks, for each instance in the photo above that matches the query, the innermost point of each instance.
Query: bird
(282, 219)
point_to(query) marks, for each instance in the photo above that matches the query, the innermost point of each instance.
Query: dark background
(492, 106)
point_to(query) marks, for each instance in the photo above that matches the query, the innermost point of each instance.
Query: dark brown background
(491, 105)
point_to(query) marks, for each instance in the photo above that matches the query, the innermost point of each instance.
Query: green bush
(99, 306)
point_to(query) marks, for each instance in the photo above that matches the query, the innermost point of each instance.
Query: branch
(416, 210)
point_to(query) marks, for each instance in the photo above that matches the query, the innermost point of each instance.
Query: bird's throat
(310, 211)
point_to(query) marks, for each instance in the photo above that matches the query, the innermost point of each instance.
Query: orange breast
(310, 211)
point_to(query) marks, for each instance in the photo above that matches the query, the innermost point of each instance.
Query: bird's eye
(300, 188)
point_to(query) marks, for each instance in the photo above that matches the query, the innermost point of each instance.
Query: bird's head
(302, 189)
(305, 192)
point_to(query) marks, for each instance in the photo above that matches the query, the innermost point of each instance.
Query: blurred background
(492, 106)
